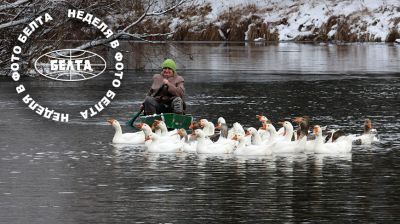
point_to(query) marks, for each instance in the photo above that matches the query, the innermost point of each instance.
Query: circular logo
(73, 64)
(70, 65)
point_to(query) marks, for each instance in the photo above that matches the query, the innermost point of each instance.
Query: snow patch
(303, 16)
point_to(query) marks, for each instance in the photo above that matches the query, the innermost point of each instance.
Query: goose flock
(207, 138)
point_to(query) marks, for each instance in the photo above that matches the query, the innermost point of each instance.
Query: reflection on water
(56, 173)
(271, 58)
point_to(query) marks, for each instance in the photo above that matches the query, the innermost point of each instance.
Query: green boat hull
(172, 121)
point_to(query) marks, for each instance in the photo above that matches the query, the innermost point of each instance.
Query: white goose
(223, 127)
(282, 132)
(262, 119)
(286, 145)
(250, 150)
(163, 133)
(213, 148)
(208, 127)
(162, 129)
(310, 145)
(126, 138)
(369, 135)
(223, 132)
(158, 146)
(264, 134)
(145, 128)
(237, 129)
(341, 145)
(273, 135)
(254, 135)
(187, 145)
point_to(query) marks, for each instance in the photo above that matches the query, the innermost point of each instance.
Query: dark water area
(71, 173)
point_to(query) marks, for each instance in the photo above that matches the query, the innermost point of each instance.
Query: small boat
(172, 121)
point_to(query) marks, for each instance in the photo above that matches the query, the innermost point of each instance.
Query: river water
(71, 173)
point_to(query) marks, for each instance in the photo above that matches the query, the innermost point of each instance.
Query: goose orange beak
(140, 125)
(369, 124)
(315, 130)
(191, 126)
(218, 126)
(261, 118)
(264, 127)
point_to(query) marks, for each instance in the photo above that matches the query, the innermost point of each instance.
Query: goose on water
(125, 138)
(156, 145)
(368, 136)
(188, 145)
(341, 145)
(223, 131)
(303, 126)
(264, 134)
(250, 150)
(287, 145)
(208, 127)
(213, 148)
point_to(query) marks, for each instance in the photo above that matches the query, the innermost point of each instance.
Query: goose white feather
(208, 127)
(187, 145)
(250, 150)
(126, 138)
(341, 145)
(158, 146)
(212, 148)
(286, 145)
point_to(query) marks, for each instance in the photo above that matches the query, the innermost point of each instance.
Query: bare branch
(167, 10)
(20, 12)
(143, 36)
(138, 20)
(12, 5)
(137, 36)
(146, 14)
(14, 23)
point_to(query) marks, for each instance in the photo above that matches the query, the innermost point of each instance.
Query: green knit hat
(169, 63)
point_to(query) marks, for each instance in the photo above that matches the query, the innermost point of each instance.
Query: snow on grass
(302, 15)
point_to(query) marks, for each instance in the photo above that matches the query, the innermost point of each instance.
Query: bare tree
(129, 19)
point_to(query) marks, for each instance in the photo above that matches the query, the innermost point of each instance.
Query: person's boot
(177, 105)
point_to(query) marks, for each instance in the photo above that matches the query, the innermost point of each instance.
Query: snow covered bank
(285, 20)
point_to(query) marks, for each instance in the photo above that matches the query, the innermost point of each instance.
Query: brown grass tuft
(211, 33)
(262, 30)
(393, 35)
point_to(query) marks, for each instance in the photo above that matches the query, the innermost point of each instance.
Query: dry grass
(393, 35)
(193, 11)
(262, 30)
(235, 14)
(235, 22)
(211, 33)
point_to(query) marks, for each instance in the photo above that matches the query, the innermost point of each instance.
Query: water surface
(57, 173)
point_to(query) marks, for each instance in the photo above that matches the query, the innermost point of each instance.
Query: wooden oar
(133, 119)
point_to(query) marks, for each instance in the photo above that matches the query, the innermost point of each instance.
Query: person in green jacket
(167, 91)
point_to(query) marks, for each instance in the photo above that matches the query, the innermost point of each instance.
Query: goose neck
(118, 130)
